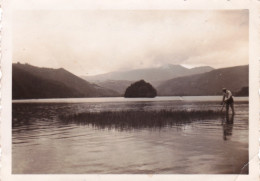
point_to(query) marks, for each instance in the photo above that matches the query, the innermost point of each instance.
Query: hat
(224, 89)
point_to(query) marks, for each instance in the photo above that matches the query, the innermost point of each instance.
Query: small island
(140, 89)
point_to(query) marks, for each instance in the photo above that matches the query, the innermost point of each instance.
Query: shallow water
(44, 144)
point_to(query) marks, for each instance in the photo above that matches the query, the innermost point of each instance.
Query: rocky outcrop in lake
(140, 89)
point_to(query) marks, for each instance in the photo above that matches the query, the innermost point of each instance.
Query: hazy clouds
(89, 42)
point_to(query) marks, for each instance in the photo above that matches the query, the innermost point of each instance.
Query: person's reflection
(227, 126)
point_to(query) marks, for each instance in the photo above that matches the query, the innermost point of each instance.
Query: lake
(43, 143)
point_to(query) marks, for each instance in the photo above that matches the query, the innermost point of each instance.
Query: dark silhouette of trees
(140, 89)
(244, 91)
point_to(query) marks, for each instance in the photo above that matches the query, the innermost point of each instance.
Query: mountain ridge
(35, 82)
(30, 82)
(150, 74)
(209, 83)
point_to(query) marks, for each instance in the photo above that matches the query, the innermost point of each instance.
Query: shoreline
(122, 99)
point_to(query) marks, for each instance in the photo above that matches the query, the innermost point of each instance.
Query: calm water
(42, 143)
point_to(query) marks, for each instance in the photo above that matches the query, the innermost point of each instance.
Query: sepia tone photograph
(130, 92)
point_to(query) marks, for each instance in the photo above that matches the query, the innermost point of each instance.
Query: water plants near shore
(138, 119)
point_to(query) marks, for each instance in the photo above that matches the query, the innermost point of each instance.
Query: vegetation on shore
(244, 91)
(125, 120)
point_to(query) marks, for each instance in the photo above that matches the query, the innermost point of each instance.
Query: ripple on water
(42, 144)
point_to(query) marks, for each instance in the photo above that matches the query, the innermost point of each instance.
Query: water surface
(42, 143)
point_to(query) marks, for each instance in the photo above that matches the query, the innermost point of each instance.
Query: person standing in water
(228, 100)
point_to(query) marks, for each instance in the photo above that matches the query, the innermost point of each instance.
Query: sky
(90, 42)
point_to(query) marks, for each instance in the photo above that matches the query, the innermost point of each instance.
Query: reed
(138, 119)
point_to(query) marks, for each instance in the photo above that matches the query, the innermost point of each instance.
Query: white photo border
(253, 6)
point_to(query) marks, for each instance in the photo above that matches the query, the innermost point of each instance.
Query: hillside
(209, 83)
(150, 74)
(116, 85)
(30, 82)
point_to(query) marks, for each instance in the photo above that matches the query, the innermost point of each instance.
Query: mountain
(120, 80)
(118, 86)
(140, 89)
(162, 73)
(209, 83)
(30, 82)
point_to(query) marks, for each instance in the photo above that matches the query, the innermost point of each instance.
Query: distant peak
(188, 66)
(205, 67)
(18, 64)
(33, 66)
(169, 66)
(62, 69)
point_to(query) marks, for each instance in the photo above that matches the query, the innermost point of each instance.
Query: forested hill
(30, 82)
(209, 83)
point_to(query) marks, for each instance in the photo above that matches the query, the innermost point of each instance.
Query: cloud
(90, 42)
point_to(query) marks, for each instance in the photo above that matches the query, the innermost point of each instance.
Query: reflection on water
(42, 143)
(227, 126)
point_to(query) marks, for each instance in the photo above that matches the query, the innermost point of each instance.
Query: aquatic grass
(125, 120)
